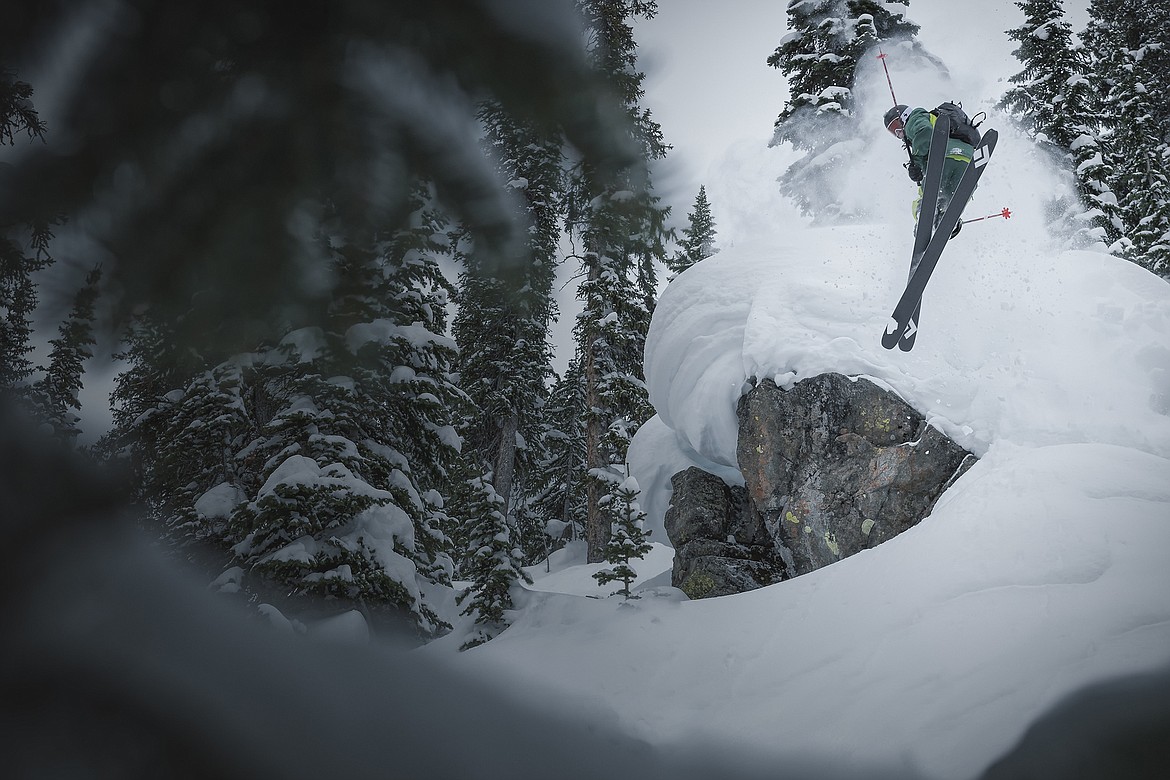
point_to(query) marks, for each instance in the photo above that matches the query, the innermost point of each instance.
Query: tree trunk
(596, 529)
(505, 466)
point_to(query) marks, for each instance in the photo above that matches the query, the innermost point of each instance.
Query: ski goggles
(896, 128)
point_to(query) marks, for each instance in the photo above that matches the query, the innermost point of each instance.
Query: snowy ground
(1042, 569)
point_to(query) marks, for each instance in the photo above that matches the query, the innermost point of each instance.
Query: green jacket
(919, 126)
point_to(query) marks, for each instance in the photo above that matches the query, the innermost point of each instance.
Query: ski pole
(882, 56)
(905, 141)
(1005, 213)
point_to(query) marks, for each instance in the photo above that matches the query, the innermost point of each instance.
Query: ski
(931, 184)
(927, 204)
(900, 323)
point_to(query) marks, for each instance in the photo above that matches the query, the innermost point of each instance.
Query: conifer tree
(816, 59)
(17, 113)
(155, 368)
(56, 393)
(365, 420)
(1045, 49)
(505, 369)
(620, 225)
(493, 563)
(820, 57)
(24, 252)
(504, 314)
(698, 236)
(1098, 219)
(1053, 101)
(24, 246)
(18, 300)
(560, 499)
(186, 444)
(316, 460)
(1132, 69)
(627, 538)
(1142, 143)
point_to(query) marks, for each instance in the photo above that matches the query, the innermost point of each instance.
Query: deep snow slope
(1043, 569)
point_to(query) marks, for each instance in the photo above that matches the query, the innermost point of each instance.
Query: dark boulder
(832, 466)
(838, 465)
(720, 546)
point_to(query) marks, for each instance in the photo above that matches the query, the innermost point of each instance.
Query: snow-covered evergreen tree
(1098, 219)
(1131, 52)
(1054, 102)
(155, 367)
(816, 59)
(620, 226)
(492, 564)
(55, 394)
(505, 312)
(828, 40)
(698, 236)
(316, 460)
(1141, 139)
(560, 500)
(627, 537)
(186, 445)
(616, 401)
(364, 419)
(1038, 99)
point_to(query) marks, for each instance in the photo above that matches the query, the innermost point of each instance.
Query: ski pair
(927, 207)
(929, 243)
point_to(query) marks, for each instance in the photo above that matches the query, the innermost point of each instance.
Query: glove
(914, 172)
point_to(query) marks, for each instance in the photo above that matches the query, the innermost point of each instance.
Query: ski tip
(892, 334)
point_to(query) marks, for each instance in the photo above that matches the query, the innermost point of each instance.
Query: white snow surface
(1042, 569)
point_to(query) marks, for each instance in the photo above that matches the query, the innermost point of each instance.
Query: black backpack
(961, 127)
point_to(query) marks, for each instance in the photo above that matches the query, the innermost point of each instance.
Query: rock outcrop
(832, 467)
(720, 546)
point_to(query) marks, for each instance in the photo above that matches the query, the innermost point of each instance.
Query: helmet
(894, 113)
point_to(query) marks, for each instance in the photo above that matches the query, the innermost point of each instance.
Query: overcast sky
(708, 83)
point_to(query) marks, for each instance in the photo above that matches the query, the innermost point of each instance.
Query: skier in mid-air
(947, 157)
(913, 126)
